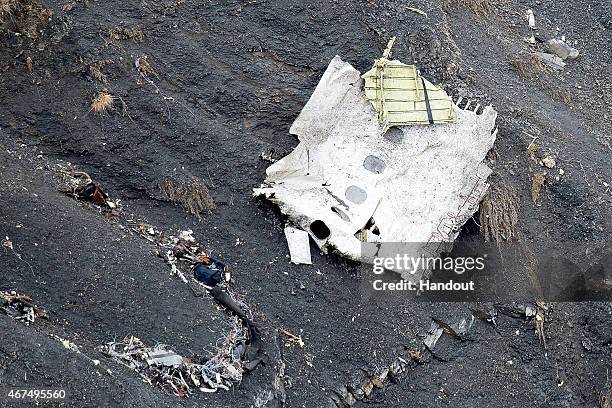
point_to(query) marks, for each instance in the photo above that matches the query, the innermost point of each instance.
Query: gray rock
(561, 49)
(552, 61)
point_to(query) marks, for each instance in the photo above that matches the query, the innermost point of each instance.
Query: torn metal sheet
(160, 366)
(457, 330)
(551, 60)
(435, 332)
(20, 307)
(299, 245)
(165, 358)
(403, 97)
(486, 315)
(348, 181)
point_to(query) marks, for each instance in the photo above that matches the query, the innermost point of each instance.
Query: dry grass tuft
(25, 17)
(537, 182)
(520, 67)
(528, 66)
(563, 96)
(102, 102)
(499, 214)
(192, 195)
(145, 68)
(7, 6)
(68, 6)
(532, 150)
(605, 400)
(95, 69)
(482, 8)
(127, 33)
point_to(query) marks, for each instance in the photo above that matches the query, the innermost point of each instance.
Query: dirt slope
(225, 81)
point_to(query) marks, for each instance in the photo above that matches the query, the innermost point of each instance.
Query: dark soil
(226, 80)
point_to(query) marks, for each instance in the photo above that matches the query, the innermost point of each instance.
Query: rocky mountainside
(140, 93)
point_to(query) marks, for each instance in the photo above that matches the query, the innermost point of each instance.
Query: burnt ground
(228, 79)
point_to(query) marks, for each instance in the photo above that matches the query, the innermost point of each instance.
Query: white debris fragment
(165, 358)
(549, 162)
(435, 332)
(530, 40)
(348, 181)
(187, 235)
(7, 243)
(299, 245)
(531, 18)
(267, 156)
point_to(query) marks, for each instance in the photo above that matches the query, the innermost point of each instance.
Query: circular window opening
(394, 135)
(374, 164)
(320, 230)
(356, 194)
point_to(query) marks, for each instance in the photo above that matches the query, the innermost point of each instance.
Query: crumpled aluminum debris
(20, 307)
(163, 367)
(350, 180)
